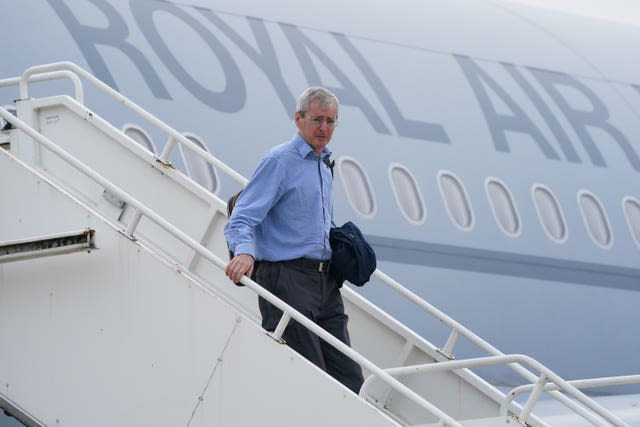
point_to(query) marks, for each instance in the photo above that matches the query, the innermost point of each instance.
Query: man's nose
(324, 124)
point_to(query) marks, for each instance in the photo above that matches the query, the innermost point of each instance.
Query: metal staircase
(157, 245)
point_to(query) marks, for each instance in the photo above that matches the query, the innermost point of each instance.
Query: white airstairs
(114, 309)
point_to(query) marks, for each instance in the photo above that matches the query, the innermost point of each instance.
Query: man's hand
(239, 266)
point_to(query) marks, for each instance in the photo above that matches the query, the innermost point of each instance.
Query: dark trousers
(317, 296)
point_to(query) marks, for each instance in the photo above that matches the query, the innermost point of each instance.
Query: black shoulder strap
(330, 163)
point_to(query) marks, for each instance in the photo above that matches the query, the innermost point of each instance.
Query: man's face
(316, 127)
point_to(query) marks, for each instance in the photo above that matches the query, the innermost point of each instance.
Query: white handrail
(545, 372)
(457, 328)
(54, 75)
(439, 315)
(579, 384)
(177, 136)
(205, 253)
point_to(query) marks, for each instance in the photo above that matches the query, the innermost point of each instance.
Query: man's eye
(317, 122)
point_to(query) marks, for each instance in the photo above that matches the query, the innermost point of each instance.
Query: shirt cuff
(244, 248)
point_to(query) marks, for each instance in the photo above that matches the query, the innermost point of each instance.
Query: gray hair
(324, 96)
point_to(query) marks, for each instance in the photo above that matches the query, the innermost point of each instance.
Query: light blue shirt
(286, 210)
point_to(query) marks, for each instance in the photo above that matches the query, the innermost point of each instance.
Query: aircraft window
(503, 207)
(632, 210)
(550, 214)
(140, 136)
(356, 185)
(198, 168)
(407, 194)
(456, 200)
(595, 219)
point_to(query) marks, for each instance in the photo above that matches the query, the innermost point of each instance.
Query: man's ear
(297, 117)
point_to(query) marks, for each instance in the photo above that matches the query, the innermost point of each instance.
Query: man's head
(316, 117)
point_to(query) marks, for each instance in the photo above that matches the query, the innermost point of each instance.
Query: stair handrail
(52, 75)
(545, 374)
(288, 311)
(173, 135)
(459, 329)
(579, 384)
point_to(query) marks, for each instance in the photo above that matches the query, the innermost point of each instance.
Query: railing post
(168, 147)
(533, 398)
(137, 216)
(282, 324)
(447, 350)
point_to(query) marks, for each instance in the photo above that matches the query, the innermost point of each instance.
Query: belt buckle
(322, 266)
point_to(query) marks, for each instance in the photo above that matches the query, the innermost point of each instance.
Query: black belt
(311, 264)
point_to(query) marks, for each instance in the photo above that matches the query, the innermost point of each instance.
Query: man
(280, 226)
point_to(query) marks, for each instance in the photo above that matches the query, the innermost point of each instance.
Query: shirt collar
(304, 149)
